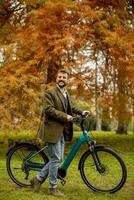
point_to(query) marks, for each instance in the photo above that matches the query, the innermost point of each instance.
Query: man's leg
(56, 153)
(36, 180)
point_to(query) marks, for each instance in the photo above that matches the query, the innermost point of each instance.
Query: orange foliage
(93, 39)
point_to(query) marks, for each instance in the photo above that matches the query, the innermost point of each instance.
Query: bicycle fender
(17, 143)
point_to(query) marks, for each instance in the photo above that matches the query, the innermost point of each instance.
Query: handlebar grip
(80, 119)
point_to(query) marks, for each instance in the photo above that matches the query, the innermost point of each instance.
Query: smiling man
(58, 110)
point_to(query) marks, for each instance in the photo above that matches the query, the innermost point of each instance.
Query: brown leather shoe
(55, 192)
(35, 184)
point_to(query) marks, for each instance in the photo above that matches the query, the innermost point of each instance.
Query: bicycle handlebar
(80, 119)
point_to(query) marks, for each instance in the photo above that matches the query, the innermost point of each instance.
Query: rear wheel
(21, 172)
(110, 173)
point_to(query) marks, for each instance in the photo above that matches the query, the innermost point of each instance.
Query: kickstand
(63, 182)
(27, 175)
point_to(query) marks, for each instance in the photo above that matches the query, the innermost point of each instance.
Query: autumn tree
(38, 46)
(21, 78)
(112, 26)
(93, 39)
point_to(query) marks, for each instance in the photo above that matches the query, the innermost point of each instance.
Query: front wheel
(103, 172)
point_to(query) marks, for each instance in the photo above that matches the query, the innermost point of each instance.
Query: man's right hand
(69, 118)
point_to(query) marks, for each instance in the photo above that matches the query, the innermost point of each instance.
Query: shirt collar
(64, 93)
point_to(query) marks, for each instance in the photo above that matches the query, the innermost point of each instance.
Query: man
(58, 110)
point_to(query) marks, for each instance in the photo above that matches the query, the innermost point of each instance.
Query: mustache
(61, 81)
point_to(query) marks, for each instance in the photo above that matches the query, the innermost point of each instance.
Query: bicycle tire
(114, 172)
(15, 166)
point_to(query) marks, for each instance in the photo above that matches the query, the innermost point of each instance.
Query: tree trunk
(123, 108)
(123, 114)
(52, 71)
(98, 123)
(122, 127)
(97, 104)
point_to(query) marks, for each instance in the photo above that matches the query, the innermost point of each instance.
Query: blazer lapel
(69, 102)
(60, 97)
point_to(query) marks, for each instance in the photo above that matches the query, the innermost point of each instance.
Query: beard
(61, 84)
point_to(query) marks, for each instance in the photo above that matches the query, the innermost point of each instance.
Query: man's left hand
(86, 112)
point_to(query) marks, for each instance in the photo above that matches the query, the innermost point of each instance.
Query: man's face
(62, 79)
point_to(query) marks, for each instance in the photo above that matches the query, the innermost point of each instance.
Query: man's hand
(86, 112)
(69, 118)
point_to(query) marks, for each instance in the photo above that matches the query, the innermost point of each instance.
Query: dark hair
(64, 71)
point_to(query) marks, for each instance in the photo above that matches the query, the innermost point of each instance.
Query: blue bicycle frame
(83, 138)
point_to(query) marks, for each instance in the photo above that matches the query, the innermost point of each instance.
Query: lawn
(75, 189)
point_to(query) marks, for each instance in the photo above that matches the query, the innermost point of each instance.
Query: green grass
(74, 189)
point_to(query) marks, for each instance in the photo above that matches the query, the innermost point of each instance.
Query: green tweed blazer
(55, 119)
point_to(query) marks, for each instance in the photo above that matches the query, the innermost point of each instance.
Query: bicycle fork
(99, 166)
